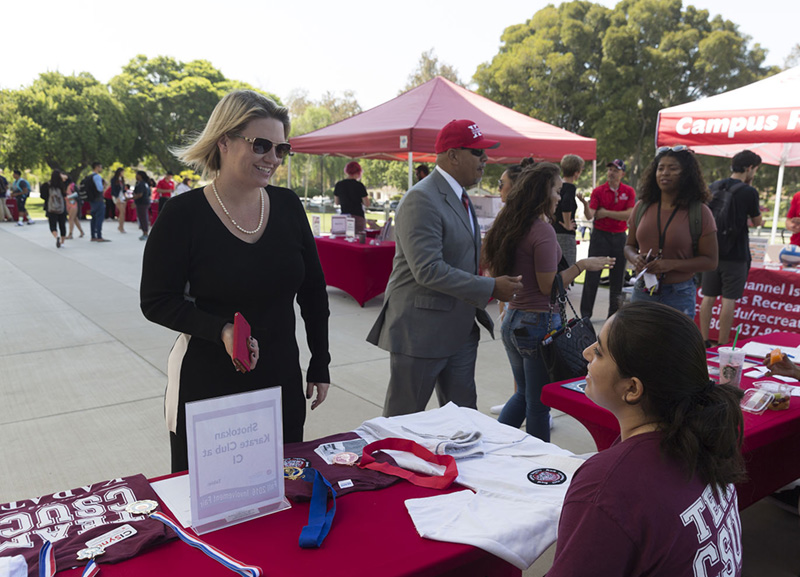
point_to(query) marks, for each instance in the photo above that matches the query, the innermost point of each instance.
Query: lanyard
(319, 517)
(662, 235)
(434, 482)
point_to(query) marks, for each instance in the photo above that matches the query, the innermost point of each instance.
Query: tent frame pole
(410, 170)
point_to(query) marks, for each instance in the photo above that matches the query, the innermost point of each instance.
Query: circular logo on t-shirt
(546, 477)
(298, 462)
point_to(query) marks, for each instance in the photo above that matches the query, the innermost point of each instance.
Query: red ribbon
(433, 482)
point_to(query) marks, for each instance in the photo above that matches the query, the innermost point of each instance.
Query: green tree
(429, 68)
(64, 122)
(168, 101)
(606, 73)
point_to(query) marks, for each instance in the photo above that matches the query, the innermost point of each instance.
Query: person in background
(73, 202)
(509, 175)
(793, 220)
(351, 195)
(504, 185)
(214, 251)
(164, 190)
(21, 190)
(609, 206)
(435, 294)
(118, 197)
(522, 242)
(564, 223)
(55, 206)
(183, 186)
(680, 443)
(422, 171)
(141, 198)
(108, 198)
(95, 197)
(669, 186)
(4, 210)
(730, 276)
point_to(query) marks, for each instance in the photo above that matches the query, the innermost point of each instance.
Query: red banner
(771, 302)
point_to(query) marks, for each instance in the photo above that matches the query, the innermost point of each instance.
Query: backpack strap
(641, 208)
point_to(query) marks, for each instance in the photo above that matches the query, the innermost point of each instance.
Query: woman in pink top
(522, 242)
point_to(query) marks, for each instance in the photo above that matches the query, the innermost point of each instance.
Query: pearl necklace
(225, 210)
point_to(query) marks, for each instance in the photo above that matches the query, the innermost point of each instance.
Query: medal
(143, 507)
(347, 458)
(90, 553)
(292, 473)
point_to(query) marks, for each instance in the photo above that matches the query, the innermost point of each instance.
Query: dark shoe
(787, 500)
(58, 243)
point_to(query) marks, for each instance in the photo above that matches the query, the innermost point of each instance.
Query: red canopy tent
(763, 116)
(405, 128)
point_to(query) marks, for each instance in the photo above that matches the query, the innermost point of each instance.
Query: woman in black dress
(237, 245)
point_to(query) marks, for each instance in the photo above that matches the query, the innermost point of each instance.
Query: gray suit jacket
(434, 293)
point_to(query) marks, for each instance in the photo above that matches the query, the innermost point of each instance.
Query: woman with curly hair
(671, 193)
(660, 501)
(523, 242)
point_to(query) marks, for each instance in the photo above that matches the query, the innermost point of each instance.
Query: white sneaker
(552, 424)
(497, 409)
(19, 223)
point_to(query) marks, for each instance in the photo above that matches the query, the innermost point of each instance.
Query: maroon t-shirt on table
(69, 519)
(631, 511)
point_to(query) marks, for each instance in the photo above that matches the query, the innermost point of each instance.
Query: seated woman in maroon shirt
(661, 500)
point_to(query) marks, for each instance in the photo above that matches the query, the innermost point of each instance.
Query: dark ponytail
(701, 422)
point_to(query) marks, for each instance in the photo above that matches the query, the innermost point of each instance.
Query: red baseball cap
(462, 134)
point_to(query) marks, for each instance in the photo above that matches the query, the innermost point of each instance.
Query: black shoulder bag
(562, 349)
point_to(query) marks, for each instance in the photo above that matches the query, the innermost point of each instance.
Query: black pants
(58, 220)
(161, 202)
(605, 244)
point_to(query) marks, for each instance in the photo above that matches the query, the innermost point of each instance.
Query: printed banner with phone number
(771, 302)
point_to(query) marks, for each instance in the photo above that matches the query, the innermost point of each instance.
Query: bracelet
(580, 270)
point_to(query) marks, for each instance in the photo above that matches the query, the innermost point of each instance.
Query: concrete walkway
(82, 377)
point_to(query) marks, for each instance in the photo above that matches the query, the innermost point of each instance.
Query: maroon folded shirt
(302, 455)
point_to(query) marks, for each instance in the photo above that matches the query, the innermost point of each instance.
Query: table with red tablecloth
(771, 302)
(372, 534)
(771, 445)
(11, 203)
(360, 270)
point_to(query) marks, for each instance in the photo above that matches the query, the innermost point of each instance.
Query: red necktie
(465, 201)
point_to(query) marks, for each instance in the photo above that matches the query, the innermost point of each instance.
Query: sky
(369, 47)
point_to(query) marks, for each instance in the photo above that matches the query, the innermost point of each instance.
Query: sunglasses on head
(263, 146)
(474, 151)
(676, 148)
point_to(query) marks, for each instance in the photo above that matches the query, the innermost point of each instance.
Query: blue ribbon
(319, 517)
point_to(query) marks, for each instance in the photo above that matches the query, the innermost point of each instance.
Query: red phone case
(241, 338)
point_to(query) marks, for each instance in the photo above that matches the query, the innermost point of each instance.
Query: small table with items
(360, 270)
(771, 446)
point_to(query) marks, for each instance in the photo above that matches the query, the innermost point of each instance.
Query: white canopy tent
(763, 117)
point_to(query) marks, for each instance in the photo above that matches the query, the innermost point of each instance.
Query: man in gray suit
(434, 293)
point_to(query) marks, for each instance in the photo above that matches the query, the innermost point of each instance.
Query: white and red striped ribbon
(223, 558)
(47, 560)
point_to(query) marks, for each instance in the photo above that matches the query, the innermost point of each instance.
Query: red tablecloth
(11, 203)
(770, 303)
(372, 535)
(771, 441)
(360, 270)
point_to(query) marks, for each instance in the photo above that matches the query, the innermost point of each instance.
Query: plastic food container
(756, 401)
(781, 394)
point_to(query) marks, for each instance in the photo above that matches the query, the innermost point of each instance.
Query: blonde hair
(571, 164)
(230, 115)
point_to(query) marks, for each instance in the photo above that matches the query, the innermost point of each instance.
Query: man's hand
(506, 287)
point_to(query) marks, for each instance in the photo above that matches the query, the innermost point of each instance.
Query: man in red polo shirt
(610, 207)
(165, 188)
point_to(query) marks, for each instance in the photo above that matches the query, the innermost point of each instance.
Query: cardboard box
(486, 206)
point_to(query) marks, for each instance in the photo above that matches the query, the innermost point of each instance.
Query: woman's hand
(227, 340)
(638, 261)
(783, 367)
(322, 393)
(661, 265)
(595, 263)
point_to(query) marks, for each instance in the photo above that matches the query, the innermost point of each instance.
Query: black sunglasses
(676, 148)
(474, 151)
(263, 146)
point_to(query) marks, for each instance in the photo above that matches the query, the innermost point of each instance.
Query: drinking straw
(736, 338)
